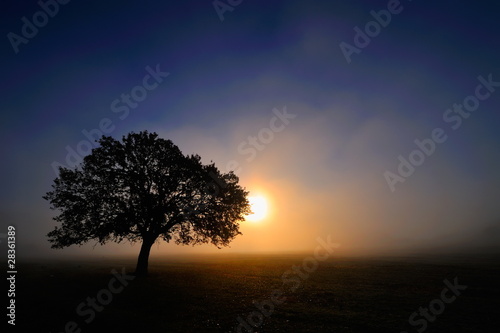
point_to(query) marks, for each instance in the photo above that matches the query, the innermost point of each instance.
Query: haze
(269, 94)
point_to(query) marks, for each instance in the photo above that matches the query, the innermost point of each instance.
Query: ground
(210, 293)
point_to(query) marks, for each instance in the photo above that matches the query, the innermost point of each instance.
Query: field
(210, 293)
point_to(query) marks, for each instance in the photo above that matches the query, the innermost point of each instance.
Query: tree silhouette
(145, 189)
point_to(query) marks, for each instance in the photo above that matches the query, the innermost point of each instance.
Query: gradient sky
(324, 173)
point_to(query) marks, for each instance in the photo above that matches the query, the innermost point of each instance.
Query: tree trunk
(142, 262)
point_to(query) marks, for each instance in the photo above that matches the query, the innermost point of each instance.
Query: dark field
(208, 294)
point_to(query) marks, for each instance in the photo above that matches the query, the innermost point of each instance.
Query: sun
(258, 205)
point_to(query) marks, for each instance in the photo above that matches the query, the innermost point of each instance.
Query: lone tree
(145, 189)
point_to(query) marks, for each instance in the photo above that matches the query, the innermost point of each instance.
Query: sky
(372, 122)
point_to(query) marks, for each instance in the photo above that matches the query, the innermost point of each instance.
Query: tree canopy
(144, 188)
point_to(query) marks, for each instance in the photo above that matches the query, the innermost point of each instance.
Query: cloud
(324, 175)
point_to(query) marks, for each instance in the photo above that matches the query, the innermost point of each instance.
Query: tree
(145, 189)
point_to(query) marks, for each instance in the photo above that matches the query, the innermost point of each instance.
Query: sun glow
(258, 204)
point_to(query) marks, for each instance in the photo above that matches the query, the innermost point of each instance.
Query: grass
(208, 294)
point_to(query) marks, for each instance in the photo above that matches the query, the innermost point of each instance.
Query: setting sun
(258, 205)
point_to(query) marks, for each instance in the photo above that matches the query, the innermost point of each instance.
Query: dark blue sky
(225, 77)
